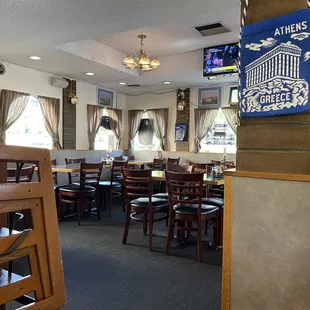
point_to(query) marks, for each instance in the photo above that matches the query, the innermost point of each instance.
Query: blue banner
(275, 66)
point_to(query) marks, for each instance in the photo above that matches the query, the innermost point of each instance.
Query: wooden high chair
(40, 242)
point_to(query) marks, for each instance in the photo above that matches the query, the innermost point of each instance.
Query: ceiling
(78, 36)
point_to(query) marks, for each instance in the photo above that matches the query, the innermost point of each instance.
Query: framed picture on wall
(105, 98)
(233, 96)
(209, 98)
(180, 132)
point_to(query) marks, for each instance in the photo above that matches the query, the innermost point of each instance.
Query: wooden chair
(175, 161)
(70, 161)
(20, 174)
(230, 166)
(202, 167)
(115, 185)
(139, 200)
(40, 244)
(83, 194)
(158, 164)
(185, 206)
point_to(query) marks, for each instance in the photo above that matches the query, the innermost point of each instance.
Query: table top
(160, 176)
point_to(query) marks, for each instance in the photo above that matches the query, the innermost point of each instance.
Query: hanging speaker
(60, 83)
(2, 69)
(146, 132)
(105, 122)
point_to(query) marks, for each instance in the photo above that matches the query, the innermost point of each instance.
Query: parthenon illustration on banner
(272, 81)
(281, 62)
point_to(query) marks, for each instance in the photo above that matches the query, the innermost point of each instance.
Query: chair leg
(199, 243)
(206, 229)
(123, 198)
(110, 201)
(79, 210)
(97, 201)
(126, 229)
(151, 217)
(144, 224)
(170, 234)
(189, 225)
(60, 213)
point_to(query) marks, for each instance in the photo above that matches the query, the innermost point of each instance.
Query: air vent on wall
(134, 85)
(212, 29)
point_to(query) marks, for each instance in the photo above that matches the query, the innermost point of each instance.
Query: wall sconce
(181, 102)
(73, 99)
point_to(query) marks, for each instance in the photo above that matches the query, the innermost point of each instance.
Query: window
(145, 139)
(29, 129)
(105, 139)
(219, 137)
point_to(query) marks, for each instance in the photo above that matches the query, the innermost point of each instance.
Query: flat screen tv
(221, 59)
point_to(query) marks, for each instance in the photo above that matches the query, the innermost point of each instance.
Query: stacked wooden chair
(39, 242)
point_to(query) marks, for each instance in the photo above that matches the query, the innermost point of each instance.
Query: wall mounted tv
(221, 59)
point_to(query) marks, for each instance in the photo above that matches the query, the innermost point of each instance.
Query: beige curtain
(204, 119)
(94, 116)
(231, 115)
(12, 105)
(115, 120)
(134, 120)
(50, 108)
(160, 121)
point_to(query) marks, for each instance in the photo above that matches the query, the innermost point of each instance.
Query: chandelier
(141, 61)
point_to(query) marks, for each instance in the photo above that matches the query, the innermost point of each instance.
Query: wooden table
(208, 180)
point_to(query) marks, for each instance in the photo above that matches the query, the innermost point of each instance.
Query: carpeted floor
(103, 274)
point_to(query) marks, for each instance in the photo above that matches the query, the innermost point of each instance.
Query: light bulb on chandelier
(141, 61)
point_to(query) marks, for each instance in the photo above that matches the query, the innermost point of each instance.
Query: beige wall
(270, 244)
(151, 101)
(88, 95)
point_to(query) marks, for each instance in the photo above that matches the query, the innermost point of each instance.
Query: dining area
(145, 189)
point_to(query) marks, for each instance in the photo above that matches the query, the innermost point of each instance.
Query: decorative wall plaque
(275, 66)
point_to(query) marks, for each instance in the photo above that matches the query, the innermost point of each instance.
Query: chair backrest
(202, 167)
(184, 188)
(116, 170)
(90, 173)
(138, 183)
(230, 166)
(179, 168)
(20, 174)
(158, 163)
(70, 161)
(173, 160)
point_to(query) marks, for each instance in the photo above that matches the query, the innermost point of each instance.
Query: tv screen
(221, 59)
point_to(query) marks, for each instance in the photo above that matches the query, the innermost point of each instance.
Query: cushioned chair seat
(183, 208)
(143, 202)
(213, 201)
(57, 186)
(74, 188)
(161, 196)
(108, 184)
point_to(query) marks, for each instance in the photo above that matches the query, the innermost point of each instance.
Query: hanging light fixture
(142, 61)
(181, 101)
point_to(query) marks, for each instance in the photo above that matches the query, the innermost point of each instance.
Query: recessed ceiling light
(35, 57)
(89, 73)
(167, 82)
(122, 83)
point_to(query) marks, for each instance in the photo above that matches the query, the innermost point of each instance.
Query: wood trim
(226, 268)
(267, 175)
